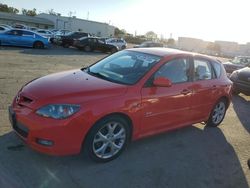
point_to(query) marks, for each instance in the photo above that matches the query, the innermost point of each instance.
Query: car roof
(159, 51)
(163, 52)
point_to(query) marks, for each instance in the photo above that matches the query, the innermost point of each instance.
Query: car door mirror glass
(162, 82)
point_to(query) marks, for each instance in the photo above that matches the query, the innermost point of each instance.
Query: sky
(209, 20)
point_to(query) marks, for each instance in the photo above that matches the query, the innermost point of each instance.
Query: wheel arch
(37, 42)
(116, 114)
(226, 99)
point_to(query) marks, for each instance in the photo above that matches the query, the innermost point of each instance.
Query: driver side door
(168, 107)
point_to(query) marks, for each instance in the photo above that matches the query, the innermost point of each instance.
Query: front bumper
(66, 135)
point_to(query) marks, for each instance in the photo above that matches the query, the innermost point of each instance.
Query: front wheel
(113, 50)
(38, 45)
(107, 139)
(87, 48)
(218, 113)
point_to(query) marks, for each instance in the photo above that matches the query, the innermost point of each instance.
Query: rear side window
(27, 33)
(217, 69)
(202, 70)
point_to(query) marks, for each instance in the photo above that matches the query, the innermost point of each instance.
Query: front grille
(21, 129)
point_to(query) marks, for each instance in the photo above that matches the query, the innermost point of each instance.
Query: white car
(45, 33)
(120, 43)
(3, 28)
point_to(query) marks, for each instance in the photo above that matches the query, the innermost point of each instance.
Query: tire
(66, 45)
(113, 50)
(107, 139)
(217, 114)
(38, 45)
(87, 48)
(235, 92)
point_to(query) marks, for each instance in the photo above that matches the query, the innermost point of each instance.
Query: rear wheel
(66, 45)
(38, 45)
(113, 50)
(87, 48)
(218, 113)
(107, 139)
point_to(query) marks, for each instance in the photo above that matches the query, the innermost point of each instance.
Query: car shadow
(58, 50)
(241, 106)
(190, 157)
(54, 50)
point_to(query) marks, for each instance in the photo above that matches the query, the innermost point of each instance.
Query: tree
(119, 32)
(52, 12)
(151, 35)
(171, 42)
(29, 12)
(6, 8)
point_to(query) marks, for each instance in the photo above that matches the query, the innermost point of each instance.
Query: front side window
(176, 70)
(125, 67)
(202, 70)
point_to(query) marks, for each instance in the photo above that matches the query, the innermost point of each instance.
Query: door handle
(214, 87)
(185, 91)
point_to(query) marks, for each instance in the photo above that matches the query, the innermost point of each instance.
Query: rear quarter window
(217, 69)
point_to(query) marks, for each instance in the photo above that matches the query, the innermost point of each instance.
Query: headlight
(58, 111)
(234, 75)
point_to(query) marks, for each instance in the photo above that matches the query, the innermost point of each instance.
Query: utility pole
(88, 15)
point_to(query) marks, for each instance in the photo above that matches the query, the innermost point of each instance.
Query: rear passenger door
(204, 88)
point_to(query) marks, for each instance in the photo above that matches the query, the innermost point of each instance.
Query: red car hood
(73, 86)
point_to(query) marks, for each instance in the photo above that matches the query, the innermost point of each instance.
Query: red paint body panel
(150, 109)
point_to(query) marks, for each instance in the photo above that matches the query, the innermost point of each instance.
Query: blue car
(26, 38)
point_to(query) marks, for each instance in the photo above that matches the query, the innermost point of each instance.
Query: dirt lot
(195, 156)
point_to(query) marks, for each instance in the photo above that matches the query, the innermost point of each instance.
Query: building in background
(12, 19)
(192, 44)
(229, 48)
(218, 48)
(76, 24)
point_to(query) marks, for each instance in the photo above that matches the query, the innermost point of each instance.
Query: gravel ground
(195, 156)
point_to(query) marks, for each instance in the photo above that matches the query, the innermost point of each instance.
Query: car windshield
(125, 67)
(241, 60)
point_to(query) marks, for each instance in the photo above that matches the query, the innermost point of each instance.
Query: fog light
(44, 142)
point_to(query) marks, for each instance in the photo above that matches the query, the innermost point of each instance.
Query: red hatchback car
(126, 96)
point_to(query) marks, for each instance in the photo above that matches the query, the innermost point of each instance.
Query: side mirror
(162, 82)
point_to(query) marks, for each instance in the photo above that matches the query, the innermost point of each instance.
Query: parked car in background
(94, 43)
(6, 26)
(3, 28)
(120, 43)
(237, 63)
(68, 40)
(126, 96)
(46, 33)
(241, 81)
(21, 37)
(33, 28)
(149, 44)
(20, 26)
